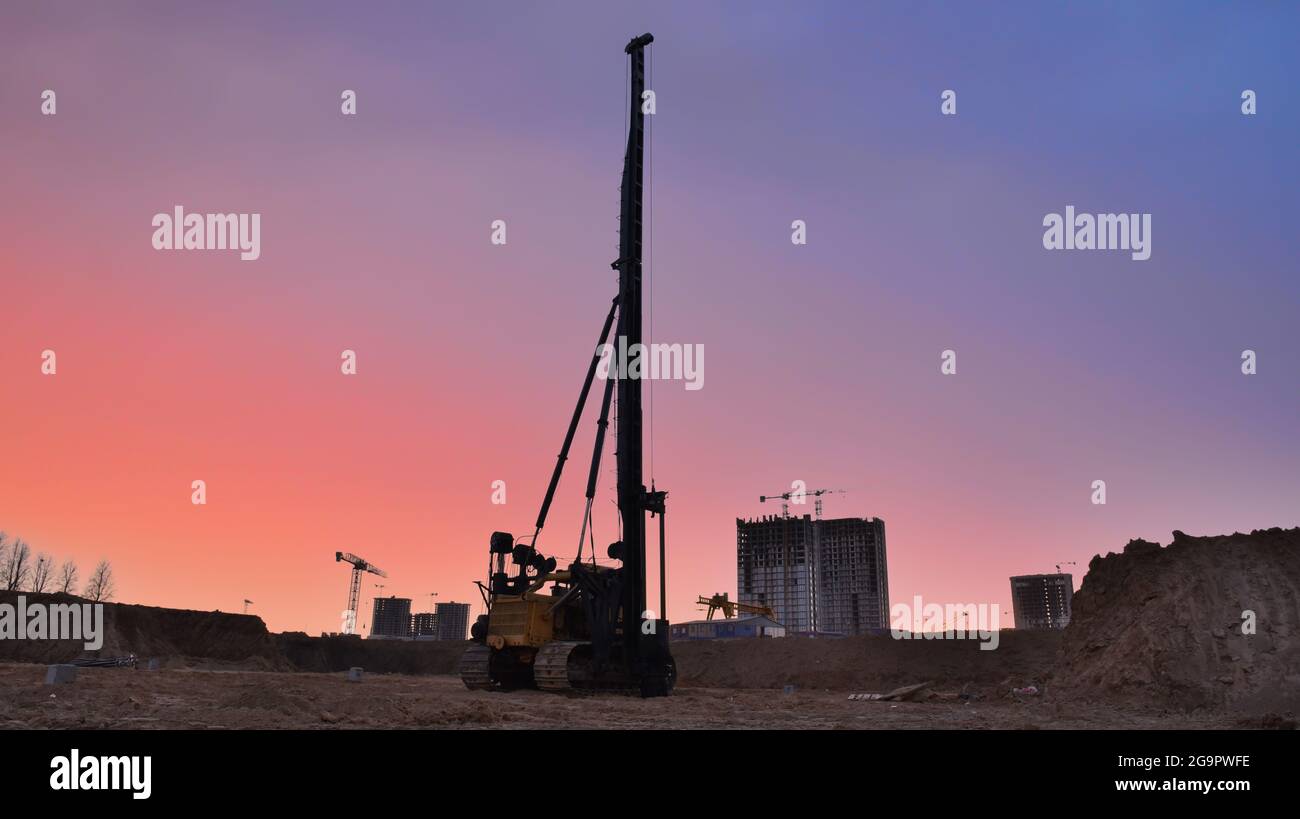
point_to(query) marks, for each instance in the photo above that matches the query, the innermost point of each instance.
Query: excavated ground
(171, 698)
(1201, 634)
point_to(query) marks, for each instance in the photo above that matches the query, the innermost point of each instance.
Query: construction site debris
(907, 692)
(60, 674)
(128, 661)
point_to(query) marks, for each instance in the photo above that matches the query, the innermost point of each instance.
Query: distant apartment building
(391, 618)
(424, 624)
(1042, 601)
(819, 576)
(453, 621)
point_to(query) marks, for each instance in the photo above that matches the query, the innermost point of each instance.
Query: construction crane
(247, 603)
(593, 628)
(1065, 563)
(359, 567)
(729, 607)
(786, 496)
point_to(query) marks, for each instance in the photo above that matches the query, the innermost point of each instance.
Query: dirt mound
(147, 631)
(868, 663)
(216, 640)
(338, 653)
(1164, 626)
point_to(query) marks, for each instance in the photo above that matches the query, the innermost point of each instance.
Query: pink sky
(822, 362)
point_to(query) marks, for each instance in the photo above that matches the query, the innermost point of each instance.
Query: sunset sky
(822, 361)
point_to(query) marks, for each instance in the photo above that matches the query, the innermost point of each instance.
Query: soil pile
(202, 639)
(148, 631)
(339, 653)
(869, 663)
(1171, 627)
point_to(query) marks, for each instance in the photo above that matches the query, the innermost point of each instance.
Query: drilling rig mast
(593, 630)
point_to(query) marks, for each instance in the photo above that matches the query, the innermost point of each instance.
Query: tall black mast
(631, 488)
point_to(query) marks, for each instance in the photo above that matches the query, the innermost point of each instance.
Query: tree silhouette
(14, 571)
(43, 573)
(68, 577)
(100, 586)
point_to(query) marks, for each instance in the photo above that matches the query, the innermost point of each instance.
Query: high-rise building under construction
(819, 576)
(424, 624)
(391, 618)
(1042, 601)
(453, 621)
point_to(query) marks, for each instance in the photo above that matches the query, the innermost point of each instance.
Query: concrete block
(354, 674)
(58, 674)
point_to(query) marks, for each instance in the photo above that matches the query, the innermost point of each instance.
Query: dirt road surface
(178, 698)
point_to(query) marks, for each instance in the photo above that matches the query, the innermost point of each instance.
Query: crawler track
(551, 668)
(475, 668)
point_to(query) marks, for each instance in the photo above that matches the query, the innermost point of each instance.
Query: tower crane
(359, 567)
(785, 499)
(1065, 563)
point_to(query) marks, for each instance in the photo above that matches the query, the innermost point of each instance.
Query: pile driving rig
(591, 631)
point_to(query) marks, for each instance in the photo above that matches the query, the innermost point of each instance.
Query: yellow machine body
(523, 621)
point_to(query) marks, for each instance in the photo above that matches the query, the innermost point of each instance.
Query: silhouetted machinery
(786, 497)
(729, 608)
(591, 630)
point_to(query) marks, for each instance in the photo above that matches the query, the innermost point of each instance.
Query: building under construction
(448, 621)
(1042, 601)
(424, 625)
(391, 618)
(819, 576)
(452, 621)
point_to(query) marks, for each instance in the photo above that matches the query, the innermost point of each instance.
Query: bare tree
(100, 586)
(4, 548)
(42, 573)
(68, 577)
(17, 567)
